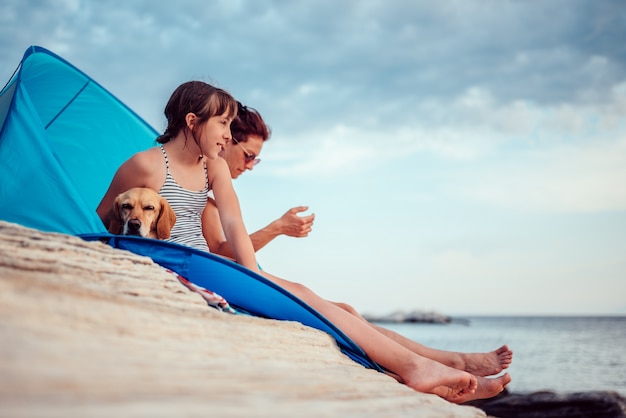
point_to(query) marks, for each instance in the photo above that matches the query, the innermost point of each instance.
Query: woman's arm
(289, 224)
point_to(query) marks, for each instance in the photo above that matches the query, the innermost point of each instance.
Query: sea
(559, 353)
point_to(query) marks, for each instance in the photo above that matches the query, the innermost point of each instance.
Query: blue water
(564, 354)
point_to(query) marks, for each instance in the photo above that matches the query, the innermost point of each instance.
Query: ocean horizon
(561, 353)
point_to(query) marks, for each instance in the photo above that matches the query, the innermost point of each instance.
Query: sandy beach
(88, 330)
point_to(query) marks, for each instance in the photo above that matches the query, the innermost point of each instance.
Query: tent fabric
(62, 137)
(242, 288)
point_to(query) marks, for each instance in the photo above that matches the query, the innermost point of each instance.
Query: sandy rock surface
(88, 330)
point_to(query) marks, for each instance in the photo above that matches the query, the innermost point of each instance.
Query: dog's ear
(166, 220)
(115, 218)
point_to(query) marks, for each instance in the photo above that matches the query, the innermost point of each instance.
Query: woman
(186, 166)
(249, 134)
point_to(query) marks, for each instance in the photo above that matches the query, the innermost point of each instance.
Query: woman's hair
(248, 122)
(199, 98)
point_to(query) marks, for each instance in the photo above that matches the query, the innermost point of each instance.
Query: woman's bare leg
(412, 369)
(479, 364)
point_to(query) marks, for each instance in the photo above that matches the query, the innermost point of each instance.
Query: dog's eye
(127, 206)
(149, 207)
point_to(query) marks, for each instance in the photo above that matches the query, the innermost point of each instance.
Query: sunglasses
(248, 156)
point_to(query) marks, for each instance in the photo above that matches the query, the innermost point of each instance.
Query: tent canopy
(62, 137)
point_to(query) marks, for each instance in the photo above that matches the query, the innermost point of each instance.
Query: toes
(502, 349)
(504, 352)
(505, 355)
(506, 379)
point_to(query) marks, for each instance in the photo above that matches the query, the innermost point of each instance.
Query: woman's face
(240, 156)
(215, 134)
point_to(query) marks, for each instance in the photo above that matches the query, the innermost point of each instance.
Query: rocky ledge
(88, 330)
(549, 404)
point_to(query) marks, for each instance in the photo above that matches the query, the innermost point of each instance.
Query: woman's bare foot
(487, 388)
(487, 364)
(436, 378)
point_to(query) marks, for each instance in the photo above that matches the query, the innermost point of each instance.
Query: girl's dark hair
(248, 122)
(199, 98)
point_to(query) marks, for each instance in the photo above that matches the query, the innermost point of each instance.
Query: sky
(461, 156)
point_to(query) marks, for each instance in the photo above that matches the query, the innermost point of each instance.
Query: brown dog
(141, 211)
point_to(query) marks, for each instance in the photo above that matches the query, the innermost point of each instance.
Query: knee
(347, 308)
(301, 291)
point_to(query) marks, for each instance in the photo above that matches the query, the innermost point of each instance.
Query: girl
(186, 166)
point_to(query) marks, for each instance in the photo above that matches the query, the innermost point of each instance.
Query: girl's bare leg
(479, 364)
(412, 369)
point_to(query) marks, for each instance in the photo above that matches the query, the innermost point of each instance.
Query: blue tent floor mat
(242, 288)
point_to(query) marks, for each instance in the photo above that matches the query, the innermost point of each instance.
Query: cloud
(572, 160)
(566, 179)
(367, 54)
(518, 155)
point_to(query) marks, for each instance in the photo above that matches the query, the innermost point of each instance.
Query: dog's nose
(134, 225)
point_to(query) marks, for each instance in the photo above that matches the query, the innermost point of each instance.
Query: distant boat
(416, 316)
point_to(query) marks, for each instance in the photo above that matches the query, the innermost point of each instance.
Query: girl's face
(214, 135)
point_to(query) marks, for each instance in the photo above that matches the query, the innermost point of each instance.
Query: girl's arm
(230, 214)
(137, 171)
(212, 230)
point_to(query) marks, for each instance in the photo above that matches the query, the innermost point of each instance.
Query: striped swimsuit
(188, 206)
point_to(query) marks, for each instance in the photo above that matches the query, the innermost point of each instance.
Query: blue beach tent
(62, 137)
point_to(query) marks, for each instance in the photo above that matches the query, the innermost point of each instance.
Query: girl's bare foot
(487, 364)
(436, 378)
(487, 388)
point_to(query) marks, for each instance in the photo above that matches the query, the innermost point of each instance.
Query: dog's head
(141, 211)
